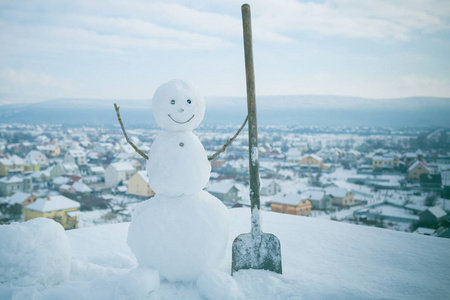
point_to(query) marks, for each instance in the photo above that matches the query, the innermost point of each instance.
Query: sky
(125, 49)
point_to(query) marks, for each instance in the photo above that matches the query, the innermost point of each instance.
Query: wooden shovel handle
(251, 106)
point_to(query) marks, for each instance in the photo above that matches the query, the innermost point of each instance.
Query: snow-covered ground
(321, 260)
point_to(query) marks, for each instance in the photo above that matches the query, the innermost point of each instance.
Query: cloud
(119, 25)
(120, 47)
(419, 85)
(379, 19)
(33, 83)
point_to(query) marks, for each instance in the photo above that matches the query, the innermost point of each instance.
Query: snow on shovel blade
(249, 253)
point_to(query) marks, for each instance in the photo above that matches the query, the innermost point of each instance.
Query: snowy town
(86, 176)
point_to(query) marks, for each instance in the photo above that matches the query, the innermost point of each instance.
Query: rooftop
(53, 203)
(289, 199)
(18, 198)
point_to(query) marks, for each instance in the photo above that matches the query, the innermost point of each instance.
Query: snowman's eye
(189, 101)
(172, 102)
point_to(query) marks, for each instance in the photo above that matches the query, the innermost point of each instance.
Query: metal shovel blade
(249, 253)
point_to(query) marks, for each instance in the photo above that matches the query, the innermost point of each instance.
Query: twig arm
(229, 141)
(126, 136)
(146, 157)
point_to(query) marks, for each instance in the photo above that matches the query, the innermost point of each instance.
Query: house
(76, 156)
(135, 163)
(318, 199)
(138, 185)
(432, 216)
(117, 173)
(75, 187)
(226, 191)
(444, 234)
(13, 165)
(31, 165)
(38, 157)
(416, 169)
(217, 164)
(66, 189)
(22, 198)
(340, 196)
(386, 161)
(50, 150)
(14, 184)
(432, 181)
(58, 208)
(409, 158)
(331, 155)
(64, 169)
(415, 208)
(96, 170)
(385, 211)
(425, 231)
(311, 161)
(291, 204)
(81, 188)
(446, 184)
(269, 187)
(60, 181)
(303, 147)
(353, 155)
(293, 155)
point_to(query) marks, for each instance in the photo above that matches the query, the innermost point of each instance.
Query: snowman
(182, 232)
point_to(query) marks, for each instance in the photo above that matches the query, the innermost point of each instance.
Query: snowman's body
(177, 164)
(183, 230)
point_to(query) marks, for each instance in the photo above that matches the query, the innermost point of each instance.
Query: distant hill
(302, 110)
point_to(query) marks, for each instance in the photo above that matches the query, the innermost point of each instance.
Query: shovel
(254, 250)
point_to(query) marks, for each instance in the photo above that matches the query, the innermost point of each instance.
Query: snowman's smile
(179, 121)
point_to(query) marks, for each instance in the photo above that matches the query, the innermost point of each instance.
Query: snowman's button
(181, 144)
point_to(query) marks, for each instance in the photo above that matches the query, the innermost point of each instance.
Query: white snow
(217, 285)
(393, 211)
(122, 166)
(18, 198)
(336, 192)
(181, 237)
(53, 203)
(33, 253)
(437, 211)
(254, 156)
(81, 187)
(174, 170)
(321, 260)
(289, 199)
(139, 281)
(313, 194)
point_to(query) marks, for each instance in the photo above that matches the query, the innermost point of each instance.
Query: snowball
(34, 252)
(177, 105)
(180, 237)
(177, 164)
(216, 285)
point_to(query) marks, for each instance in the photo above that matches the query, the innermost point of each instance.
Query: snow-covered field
(322, 259)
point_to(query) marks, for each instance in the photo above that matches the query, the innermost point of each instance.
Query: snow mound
(136, 284)
(36, 252)
(260, 284)
(180, 237)
(216, 285)
(322, 259)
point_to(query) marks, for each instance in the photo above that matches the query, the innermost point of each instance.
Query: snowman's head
(177, 105)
